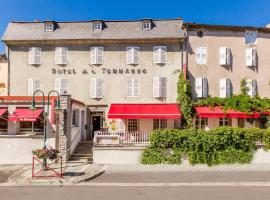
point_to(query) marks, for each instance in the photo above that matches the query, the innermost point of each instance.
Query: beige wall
(3, 78)
(213, 40)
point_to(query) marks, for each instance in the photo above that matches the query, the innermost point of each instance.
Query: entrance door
(96, 124)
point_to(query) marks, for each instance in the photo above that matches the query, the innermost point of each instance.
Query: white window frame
(159, 87)
(226, 121)
(252, 87)
(160, 124)
(34, 55)
(224, 60)
(157, 54)
(97, 25)
(59, 55)
(31, 85)
(132, 87)
(132, 55)
(49, 26)
(94, 85)
(204, 87)
(251, 60)
(201, 123)
(247, 34)
(227, 89)
(199, 55)
(60, 89)
(75, 117)
(147, 25)
(95, 53)
(133, 125)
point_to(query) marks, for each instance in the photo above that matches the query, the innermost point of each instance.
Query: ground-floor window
(225, 121)
(32, 126)
(132, 125)
(159, 124)
(75, 117)
(3, 124)
(241, 123)
(200, 122)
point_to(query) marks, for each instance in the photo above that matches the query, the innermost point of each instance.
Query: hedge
(222, 145)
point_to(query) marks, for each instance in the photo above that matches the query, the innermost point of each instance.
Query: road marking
(196, 184)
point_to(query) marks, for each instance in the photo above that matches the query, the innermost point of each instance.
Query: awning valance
(218, 112)
(3, 111)
(24, 114)
(137, 111)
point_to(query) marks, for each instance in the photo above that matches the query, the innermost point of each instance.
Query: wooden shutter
(96, 88)
(57, 85)
(93, 57)
(228, 88)
(199, 87)
(93, 88)
(224, 54)
(136, 87)
(156, 54)
(129, 56)
(30, 87)
(58, 55)
(201, 55)
(64, 56)
(163, 54)
(129, 87)
(162, 86)
(254, 88)
(64, 86)
(251, 57)
(99, 91)
(156, 87)
(99, 54)
(205, 87)
(31, 56)
(223, 88)
(160, 54)
(37, 60)
(136, 51)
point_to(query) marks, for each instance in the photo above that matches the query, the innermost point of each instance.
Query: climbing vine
(243, 86)
(184, 100)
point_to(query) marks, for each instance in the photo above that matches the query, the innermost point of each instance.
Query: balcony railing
(121, 138)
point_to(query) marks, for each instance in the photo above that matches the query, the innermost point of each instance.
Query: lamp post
(45, 114)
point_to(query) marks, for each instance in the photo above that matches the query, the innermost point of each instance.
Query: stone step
(79, 159)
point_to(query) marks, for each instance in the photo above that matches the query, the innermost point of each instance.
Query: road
(154, 186)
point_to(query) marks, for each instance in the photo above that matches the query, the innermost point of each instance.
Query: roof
(194, 26)
(82, 30)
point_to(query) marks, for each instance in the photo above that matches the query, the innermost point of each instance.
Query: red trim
(218, 112)
(147, 111)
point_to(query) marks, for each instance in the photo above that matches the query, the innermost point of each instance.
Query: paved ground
(134, 193)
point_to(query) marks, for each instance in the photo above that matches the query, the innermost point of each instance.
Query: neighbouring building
(218, 58)
(3, 75)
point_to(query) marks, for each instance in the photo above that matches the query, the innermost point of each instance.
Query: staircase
(83, 153)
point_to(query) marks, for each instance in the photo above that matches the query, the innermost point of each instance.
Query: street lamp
(45, 114)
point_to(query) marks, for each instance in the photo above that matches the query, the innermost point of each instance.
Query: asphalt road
(242, 185)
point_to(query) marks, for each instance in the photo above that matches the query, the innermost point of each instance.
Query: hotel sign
(108, 71)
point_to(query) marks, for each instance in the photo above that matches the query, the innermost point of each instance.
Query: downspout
(8, 86)
(186, 51)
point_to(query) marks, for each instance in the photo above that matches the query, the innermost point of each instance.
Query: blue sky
(234, 12)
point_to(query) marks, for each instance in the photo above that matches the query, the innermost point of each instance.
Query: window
(3, 123)
(33, 85)
(252, 87)
(201, 55)
(251, 37)
(225, 121)
(96, 91)
(225, 88)
(97, 26)
(132, 87)
(251, 57)
(49, 26)
(201, 87)
(201, 123)
(61, 55)
(159, 124)
(132, 55)
(147, 24)
(160, 54)
(133, 125)
(34, 57)
(159, 87)
(224, 56)
(96, 55)
(75, 117)
(36, 126)
(62, 86)
(241, 123)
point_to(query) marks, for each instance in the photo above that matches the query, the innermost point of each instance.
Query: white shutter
(96, 55)
(100, 51)
(129, 87)
(252, 87)
(93, 88)
(37, 56)
(205, 87)
(223, 88)
(136, 87)
(251, 37)
(30, 87)
(58, 55)
(159, 54)
(132, 55)
(99, 87)
(57, 85)
(156, 87)
(93, 56)
(162, 86)
(64, 86)
(34, 57)
(224, 56)
(201, 55)
(199, 87)
(251, 57)
(132, 87)
(96, 88)
(136, 55)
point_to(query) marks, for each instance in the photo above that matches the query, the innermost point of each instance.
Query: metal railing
(125, 138)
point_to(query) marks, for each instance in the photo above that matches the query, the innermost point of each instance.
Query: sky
(230, 12)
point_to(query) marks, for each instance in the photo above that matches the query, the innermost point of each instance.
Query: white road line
(196, 184)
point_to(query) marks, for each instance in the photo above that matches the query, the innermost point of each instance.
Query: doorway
(96, 124)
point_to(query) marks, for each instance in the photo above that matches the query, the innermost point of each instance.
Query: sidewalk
(74, 173)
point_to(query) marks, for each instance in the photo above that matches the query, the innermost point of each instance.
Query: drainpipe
(186, 51)
(8, 62)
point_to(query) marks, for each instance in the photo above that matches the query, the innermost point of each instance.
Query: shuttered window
(159, 87)
(224, 56)
(61, 55)
(96, 55)
(201, 55)
(160, 54)
(96, 88)
(62, 86)
(225, 89)
(33, 85)
(251, 37)
(252, 87)
(251, 57)
(132, 87)
(132, 55)
(34, 57)
(201, 87)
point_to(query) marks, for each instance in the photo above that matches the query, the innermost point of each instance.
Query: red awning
(218, 112)
(139, 111)
(3, 111)
(24, 114)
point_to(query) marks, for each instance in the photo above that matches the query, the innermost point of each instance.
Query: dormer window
(97, 25)
(49, 26)
(147, 24)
